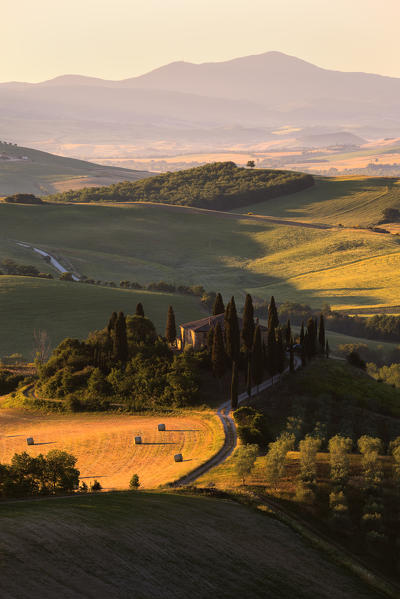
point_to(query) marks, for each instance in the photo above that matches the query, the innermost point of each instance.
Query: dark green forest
(216, 186)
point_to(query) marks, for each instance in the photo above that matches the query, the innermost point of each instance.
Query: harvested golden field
(104, 443)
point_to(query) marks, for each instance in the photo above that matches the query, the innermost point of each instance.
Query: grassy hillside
(33, 171)
(159, 546)
(217, 186)
(346, 200)
(73, 309)
(104, 443)
(345, 268)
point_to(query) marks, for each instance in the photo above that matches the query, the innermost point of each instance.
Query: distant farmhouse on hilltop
(195, 333)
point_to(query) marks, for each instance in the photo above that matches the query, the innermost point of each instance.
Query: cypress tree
(139, 310)
(257, 362)
(279, 352)
(232, 334)
(321, 334)
(170, 329)
(248, 326)
(111, 323)
(218, 358)
(273, 320)
(271, 353)
(120, 341)
(291, 356)
(210, 339)
(288, 334)
(304, 350)
(302, 334)
(327, 350)
(248, 376)
(311, 339)
(219, 307)
(234, 387)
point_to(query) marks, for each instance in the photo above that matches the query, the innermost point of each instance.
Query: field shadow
(161, 443)
(94, 476)
(46, 443)
(181, 430)
(188, 460)
(9, 436)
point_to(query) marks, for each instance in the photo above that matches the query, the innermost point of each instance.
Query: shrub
(95, 486)
(134, 482)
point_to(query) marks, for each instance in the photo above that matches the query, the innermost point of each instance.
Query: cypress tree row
(139, 310)
(170, 329)
(234, 386)
(218, 357)
(273, 320)
(248, 326)
(120, 341)
(310, 344)
(219, 307)
(257, 362)
(321, 334)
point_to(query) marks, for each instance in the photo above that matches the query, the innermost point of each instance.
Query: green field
(73, 309)
(346, 268)
(346, 200)
(152, 545)
(44, 173)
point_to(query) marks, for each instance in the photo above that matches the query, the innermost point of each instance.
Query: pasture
(104, 443)
(73, 310)
(162, 546)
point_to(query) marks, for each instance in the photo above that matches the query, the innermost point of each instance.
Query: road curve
(225, 415)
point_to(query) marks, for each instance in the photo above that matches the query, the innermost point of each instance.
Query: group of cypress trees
(229, 345)
(312, 339)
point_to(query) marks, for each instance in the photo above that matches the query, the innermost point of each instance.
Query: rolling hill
(24, 170)
(348, 268)
(161, 546)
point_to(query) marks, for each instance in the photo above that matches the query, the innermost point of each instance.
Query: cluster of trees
(40, 475)
(9, 381)
(23, 198)
(9, 267)
(252, 426)
(380, 327)
(125, 364)
(218, 186)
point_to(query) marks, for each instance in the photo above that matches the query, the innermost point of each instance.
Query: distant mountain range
(237, 101)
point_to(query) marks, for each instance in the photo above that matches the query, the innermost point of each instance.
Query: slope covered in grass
(74, 309)
(234, 254)
(33, 171)
(217, 186)
(351, 201)
(159, 546)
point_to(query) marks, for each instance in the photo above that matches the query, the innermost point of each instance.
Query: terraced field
(104, 443)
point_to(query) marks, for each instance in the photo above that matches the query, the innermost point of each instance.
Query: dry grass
(104, 443)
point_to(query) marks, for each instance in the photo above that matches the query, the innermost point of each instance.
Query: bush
(95, 486)
(134, 482)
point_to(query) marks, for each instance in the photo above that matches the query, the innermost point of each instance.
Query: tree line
(380, 327)
(229, 346)
(216, 186)
(10, 267)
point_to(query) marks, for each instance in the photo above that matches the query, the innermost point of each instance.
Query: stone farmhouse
(195, 333)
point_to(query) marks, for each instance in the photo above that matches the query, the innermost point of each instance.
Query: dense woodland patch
(217, 186)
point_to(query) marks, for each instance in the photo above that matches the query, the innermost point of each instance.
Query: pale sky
(116, 39)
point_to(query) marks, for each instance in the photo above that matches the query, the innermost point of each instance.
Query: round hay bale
(178, 457)
(161, 427)
(30, 441)
(138, 440)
